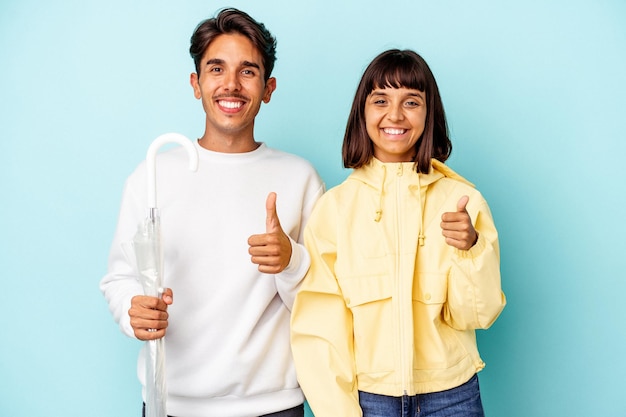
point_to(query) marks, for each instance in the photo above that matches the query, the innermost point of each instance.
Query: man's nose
(231, 81)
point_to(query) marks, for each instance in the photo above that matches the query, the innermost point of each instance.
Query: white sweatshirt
(227, 344)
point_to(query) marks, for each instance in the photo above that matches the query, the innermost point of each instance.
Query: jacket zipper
(399, 279)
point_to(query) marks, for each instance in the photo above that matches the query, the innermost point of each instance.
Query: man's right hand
(148, 315)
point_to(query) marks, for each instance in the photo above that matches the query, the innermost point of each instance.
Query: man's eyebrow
(218, 61)
(250, 64)
(214, 61)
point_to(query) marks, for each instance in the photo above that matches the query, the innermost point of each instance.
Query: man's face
(231, 86)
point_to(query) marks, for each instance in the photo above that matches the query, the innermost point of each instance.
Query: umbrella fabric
(149, 254)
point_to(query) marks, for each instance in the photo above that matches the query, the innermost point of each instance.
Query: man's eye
(248, 72)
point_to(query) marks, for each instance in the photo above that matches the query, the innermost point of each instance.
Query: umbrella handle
(151, 160)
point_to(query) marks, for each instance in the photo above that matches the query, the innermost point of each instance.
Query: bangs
(397, 71)
(392, 69)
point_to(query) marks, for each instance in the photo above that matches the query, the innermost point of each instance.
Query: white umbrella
(149, 254)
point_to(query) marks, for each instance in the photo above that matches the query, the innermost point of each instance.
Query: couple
(377, 297)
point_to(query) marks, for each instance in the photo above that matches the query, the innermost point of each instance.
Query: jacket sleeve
(321, 329)
(475, 298)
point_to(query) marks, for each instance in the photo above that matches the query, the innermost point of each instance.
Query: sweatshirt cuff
(124, 324)
(299, 262)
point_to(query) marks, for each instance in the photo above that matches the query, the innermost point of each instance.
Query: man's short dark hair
(229, 21)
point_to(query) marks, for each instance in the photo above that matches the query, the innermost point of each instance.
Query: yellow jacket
(387, 306)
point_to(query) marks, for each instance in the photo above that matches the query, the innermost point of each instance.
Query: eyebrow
(219, 61)
(250, 64)
(412, 93)
(214, 61)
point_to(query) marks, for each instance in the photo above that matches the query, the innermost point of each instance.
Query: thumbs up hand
(271, 251)
(457, 226)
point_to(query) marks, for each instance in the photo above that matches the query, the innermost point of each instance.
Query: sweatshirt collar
(224, 157)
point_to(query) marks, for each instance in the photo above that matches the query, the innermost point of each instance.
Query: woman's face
(395, 119)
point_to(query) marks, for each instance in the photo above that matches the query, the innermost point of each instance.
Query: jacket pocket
(365, 289)
(430, 288)
(369, 299)
(437, 345)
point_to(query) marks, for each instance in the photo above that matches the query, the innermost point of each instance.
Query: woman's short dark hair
(395, 69)
(230, 21)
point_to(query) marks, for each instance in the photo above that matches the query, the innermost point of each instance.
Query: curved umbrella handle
(151, 160)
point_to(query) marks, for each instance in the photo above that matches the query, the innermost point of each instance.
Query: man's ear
(193, 80)
(270, 86)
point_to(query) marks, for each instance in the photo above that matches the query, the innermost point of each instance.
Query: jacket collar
(370, 174)
(378, 175)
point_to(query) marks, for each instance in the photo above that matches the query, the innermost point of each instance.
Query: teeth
(230, 104)
(394, 131)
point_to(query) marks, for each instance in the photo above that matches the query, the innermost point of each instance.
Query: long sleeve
(288, 281)
(121, 282)
(321, 329)
(475, 298)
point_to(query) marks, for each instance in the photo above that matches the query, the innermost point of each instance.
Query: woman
(405, 262)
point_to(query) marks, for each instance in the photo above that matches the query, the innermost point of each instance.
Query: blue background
(534, 92)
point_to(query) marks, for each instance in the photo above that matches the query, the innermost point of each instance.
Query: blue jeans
(462, 401)
(297, 411)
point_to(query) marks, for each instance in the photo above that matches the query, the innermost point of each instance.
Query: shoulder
(170, 161)
(281, 164)
(341, 196)
(448, 191)
(457, 188)
(287, 158)
(457, 184)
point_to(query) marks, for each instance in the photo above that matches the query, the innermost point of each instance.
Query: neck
(217, 140)
(228, 146)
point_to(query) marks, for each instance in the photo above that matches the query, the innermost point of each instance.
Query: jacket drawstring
(379, 212)
(420, 236)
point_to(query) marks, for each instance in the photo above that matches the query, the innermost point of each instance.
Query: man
(232, 236)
